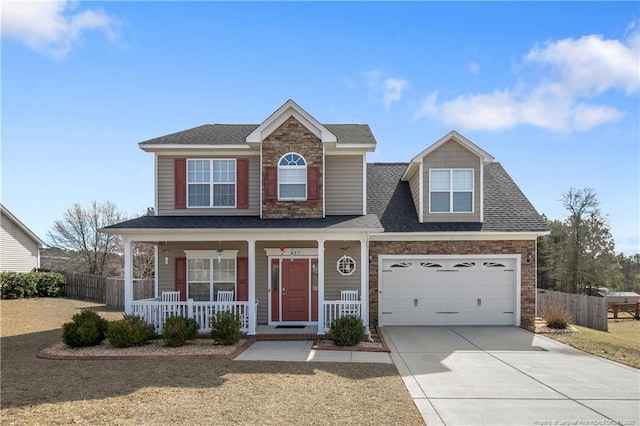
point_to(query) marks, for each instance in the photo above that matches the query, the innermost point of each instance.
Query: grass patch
(621, 343)
(194, 391)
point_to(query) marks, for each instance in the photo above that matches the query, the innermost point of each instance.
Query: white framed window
(211, 183)
(451, 191)
(346, 265)
(292, 177)
(208, 273)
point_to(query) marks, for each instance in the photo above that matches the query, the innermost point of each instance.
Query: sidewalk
(301, 351)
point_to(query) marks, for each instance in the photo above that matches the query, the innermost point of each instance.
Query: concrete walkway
(300, 350)
(509, 376)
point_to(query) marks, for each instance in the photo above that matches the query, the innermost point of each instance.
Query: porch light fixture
(219, 251)
(529, 257)
(166, 256)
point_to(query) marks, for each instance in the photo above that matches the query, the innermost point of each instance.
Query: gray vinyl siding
(166, 273)
(414, 184)
(166, 190)
(334, 282)
(344, 184)
(18, 251)
(452, 155)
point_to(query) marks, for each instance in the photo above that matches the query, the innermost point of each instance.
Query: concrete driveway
(509, 376)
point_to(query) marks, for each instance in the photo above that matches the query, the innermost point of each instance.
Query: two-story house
(288, 218)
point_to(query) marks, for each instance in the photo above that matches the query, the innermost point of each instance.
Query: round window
(346, 265)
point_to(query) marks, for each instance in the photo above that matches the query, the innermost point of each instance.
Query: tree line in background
(578, 256)
(77, 245)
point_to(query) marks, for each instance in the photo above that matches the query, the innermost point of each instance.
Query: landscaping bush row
(16, 285)
(87, 328)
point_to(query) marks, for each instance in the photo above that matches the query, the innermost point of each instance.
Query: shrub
(15, 285)
(85, 329)
(50, 284)
(556, 315)
(347, 331)
(130, 331)
(225, 328)
(177, 330)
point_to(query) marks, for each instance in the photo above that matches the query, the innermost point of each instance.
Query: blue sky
(550, 89)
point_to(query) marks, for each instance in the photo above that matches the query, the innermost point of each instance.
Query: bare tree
(581, 204)
(78, 232)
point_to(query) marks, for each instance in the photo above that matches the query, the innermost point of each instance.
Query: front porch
(155, 311)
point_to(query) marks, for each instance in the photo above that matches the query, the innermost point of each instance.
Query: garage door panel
(464, 291)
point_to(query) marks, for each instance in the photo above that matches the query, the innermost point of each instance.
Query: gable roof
(451, 136)
(279, 116)
(506, 209)
(22, 226)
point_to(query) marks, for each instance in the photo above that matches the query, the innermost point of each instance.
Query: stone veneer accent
(528, 270)
(292, 136)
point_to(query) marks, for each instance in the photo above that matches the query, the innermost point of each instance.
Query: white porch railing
(334, 309)
(156, 312)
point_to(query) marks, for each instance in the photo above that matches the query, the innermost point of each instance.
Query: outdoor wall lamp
(529, 257)
(166, 256)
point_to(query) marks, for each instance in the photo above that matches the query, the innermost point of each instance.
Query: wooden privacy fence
(109, 291)
(85, 286)
(587, 311)
(114, 297)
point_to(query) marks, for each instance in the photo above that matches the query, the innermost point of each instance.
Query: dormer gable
(281, 115)
(446, 180)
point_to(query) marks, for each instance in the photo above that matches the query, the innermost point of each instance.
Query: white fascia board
(279, 116)
(173, 235)
(455, 236)
(162, 148)
(452, 135)
(23, 227)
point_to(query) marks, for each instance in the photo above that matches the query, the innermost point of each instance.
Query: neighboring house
(19, 246)
(288, 214)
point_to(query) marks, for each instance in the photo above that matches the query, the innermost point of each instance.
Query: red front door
(295, 290)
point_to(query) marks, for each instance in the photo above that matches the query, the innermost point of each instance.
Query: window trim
(452, 191)
(344, 261)
(212, 184)
(288, 167)
(212, 257)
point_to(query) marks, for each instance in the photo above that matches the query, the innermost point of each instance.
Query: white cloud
(53, 27)
(474, 67)
(381, 86)
(573, 72)
(393, 88)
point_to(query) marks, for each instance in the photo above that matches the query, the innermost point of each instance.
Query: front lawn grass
(192, 391)
(621, 343)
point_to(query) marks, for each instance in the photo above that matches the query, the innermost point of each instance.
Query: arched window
(292, 177)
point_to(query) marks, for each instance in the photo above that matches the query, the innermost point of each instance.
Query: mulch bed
(378, 344)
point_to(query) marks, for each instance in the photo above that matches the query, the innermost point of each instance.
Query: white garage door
(448, 291)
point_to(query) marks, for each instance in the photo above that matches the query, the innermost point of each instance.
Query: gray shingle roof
(506, 209)
(235, 134)
(369, 222)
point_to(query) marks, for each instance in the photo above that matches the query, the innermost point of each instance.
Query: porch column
(321, 287)
(364, 283)
(128, 277)
(251, 260)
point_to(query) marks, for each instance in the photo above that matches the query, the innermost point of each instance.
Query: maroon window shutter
(242, 185)
(181, 277)
(313, 182)
(243, 279)
(180, 167)
(271, 183)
